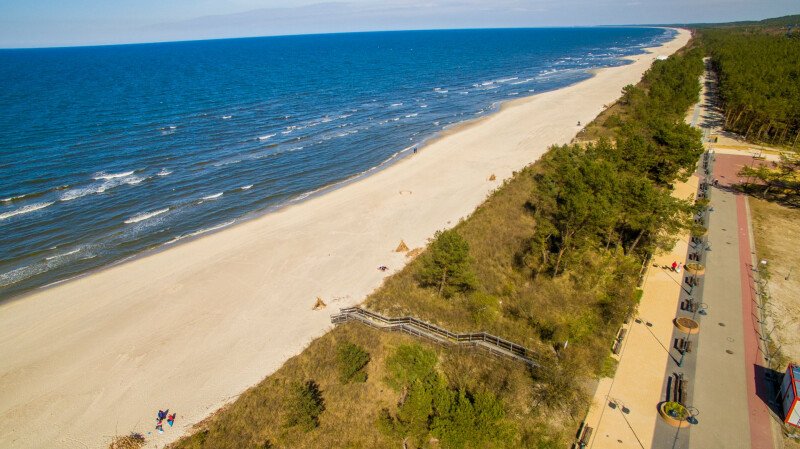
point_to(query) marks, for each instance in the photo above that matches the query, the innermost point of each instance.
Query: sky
(46, 23)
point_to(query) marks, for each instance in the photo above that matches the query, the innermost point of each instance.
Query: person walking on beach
(160, 426)
(162, 414)
(674, 265)
(171, 419)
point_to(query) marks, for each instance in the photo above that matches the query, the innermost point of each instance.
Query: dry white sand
(191, 327)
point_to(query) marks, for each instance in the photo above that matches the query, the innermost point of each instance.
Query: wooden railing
(419, 328)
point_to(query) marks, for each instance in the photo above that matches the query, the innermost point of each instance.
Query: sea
(111, 151)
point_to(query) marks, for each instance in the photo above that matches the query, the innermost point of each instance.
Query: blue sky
(37, 23)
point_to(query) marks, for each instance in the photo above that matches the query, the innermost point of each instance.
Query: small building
(788, 395)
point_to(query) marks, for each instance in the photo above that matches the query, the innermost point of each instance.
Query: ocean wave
(211, 197)
(107, 184)
(43, 265)
(247, 187)
(275, 153)
(145, 215)
(24, 210)
(59, 256)
(423, 105)
(265, 137)
(22, 196)
(164, 172)
(394, 105)
(22, 273)
(526, 80)
(226, 117)
(505, 80)
(412, 115)
(200, 232)
(229, 162)
(13, 198)
(104, 176)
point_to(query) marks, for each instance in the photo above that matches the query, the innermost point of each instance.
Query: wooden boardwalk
(419, 328)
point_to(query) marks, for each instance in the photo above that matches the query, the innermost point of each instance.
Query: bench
(586, 436)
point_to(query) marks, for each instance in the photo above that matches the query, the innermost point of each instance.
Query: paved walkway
(730, 267)
(624, 410)
(724, 368)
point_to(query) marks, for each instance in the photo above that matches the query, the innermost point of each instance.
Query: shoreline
(396, 158)
(228, 292)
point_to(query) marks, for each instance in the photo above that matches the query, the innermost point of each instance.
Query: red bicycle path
(726, 168)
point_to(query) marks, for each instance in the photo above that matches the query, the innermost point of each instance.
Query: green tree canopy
(446, 264)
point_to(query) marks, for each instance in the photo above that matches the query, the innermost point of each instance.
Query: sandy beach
(191, 327)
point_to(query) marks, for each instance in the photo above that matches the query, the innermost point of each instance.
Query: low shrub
(352, 359)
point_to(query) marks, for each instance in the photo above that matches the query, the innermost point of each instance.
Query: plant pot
(687, 325)
(695, 268)
(674, 414)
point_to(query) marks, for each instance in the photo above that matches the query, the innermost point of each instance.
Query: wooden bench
(683, 388)
(586, 436)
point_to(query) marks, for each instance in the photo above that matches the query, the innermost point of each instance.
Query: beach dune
(191, 327)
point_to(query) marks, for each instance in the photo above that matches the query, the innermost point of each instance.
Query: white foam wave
(14, 198)
(145, 215)
(16, 275)
(168, 130)
(226, 117)
(505, 80)
(108, 183)
(202, 231)
(412, 115)
(266, 137)
(230, 162)
(211, 197)
(104, 176)
(58, 256)
(24, 210)
(526, 80)
(164, 172)
(423, 105)
(247, 187)
(394, 105)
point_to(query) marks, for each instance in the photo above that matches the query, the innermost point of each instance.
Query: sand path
(191, 327)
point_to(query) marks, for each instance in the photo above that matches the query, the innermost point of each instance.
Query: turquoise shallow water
(106, 152)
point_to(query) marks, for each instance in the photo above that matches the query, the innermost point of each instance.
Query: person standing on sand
(674, 265)
(171, 419)
(160, 426)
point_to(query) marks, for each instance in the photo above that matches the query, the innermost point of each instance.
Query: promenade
(723, 372)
